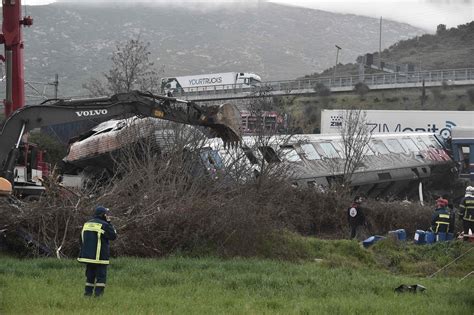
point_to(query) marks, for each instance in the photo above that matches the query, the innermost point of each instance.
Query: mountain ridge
(276, 41)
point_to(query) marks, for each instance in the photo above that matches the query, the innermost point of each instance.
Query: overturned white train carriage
(392, 164)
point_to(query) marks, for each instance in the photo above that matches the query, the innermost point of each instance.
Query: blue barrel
(372, 240)
(402, 235)
(441, 237)
(399, 234)
(419, 237)
(430, 237)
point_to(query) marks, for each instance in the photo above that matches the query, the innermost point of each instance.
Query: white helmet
(469, 191)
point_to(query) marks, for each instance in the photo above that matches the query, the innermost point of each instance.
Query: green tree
(322, 90)
(470, 94)
(441, 28)
(361, 89)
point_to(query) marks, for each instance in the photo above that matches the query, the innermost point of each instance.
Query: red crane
(11, 37)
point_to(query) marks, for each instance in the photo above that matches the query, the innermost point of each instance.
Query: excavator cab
(28, 172)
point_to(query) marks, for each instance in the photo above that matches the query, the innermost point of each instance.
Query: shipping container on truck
(209, 82)
(392, 121)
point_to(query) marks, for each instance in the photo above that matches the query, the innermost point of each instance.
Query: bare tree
(267, 152)
(131, 70)
(355, 136)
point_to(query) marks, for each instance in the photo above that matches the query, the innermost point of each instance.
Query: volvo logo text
(94, 112)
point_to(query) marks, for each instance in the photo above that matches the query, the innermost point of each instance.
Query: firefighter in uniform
(95, 251)
(355, 215)
(466, 211)
(441, 218)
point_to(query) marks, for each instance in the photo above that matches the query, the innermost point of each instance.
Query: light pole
(337, 56)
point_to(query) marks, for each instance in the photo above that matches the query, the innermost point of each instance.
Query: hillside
(447, 49)
(275, 41)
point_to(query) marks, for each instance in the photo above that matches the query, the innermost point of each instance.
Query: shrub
(438, 94)
(470, 94)
(361, 89)
(392, 99)
(322, 90)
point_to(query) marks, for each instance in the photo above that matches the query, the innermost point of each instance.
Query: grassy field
(356, 284)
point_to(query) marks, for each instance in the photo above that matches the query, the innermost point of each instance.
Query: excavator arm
(223, 121)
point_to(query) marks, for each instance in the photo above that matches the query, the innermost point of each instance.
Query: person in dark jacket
(355, 215)
(466, 211)
(95, 236)
(452, 214)
(441, 218)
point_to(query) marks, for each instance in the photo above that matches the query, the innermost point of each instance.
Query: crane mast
(11, 38)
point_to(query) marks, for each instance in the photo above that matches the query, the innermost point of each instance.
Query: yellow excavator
(21, 165)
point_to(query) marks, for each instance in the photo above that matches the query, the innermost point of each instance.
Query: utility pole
(337, 56)
(56, 84)
(380, 45)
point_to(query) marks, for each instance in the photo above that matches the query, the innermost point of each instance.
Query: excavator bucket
(5, 187)
(225, 123)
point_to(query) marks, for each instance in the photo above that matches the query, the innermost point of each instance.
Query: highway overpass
(380, 81)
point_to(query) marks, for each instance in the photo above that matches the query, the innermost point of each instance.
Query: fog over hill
(278, 42)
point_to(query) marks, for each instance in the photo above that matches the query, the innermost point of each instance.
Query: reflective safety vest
(95, 236)
(466, 209)
(442, 223)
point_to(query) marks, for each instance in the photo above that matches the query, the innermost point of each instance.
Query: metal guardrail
(340, 83)
(336, 84)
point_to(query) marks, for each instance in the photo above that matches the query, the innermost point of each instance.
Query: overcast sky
(426, 14)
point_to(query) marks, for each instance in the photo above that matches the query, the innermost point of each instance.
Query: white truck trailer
(209, 82)
(389, 121)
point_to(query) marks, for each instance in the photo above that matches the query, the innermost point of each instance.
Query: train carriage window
(216, 158)
(431, 143)
(328, 149)
(269, 154)
(250, 155)
(310, 152)
(288, 153)
(410, 145)
(464, 152)
(211, 159)
(421, 144)
(368, 150)
(394, 146)
(339, 147)
(379, 147)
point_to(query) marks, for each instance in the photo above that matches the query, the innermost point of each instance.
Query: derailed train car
(100, 149)
(392, 164)
(398, 165)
